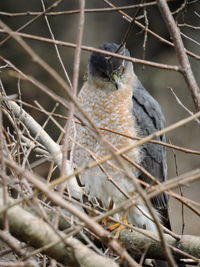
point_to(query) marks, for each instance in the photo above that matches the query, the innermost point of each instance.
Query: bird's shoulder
(149, 118)
(146, 109)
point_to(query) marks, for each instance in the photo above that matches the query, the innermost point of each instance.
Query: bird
(116, 101)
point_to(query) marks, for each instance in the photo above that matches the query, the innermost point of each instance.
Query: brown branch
(169, 145)
(140, 25)
(43, 138)
(76, 11)
(159, 189)
(11, 242)
(60, 81)
(29, 228)
(128, 148)
(137, 242)
(26, 118)
(32, 230)
(182, 105)
(56, 48)
(163, 189)
(189, 26)
(180, 51)
(75, 192)
(105, 236)
(19, 264)
(54, 5)
(76, 72)
(56, 115)
(90, 49)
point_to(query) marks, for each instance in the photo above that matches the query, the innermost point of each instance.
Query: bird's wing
(149, 117)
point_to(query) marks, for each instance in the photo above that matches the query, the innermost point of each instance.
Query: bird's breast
(112, 110)
(112, 113)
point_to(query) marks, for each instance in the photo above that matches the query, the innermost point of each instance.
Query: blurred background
(103, 27)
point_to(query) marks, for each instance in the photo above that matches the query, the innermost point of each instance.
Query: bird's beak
(115, 81)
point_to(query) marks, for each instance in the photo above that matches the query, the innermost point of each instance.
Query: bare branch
(29, 228)
(137, 242)
(128, 148)
(129, 18)
(87, 10)
(180, 51)
(58, 200)
(92, 49)
(53, 148)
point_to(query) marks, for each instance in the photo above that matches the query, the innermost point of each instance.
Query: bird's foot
(118, 227)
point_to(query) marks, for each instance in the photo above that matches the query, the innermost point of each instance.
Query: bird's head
(110, 71)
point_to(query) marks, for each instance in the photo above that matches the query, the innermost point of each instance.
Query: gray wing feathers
(149, 117)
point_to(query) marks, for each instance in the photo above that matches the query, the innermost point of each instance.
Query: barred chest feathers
(110, 109)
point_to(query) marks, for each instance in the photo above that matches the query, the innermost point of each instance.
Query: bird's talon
(113, 227)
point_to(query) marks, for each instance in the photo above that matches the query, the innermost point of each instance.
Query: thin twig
(56, 47)
(157, 36)
(58, 200)
(182, 105)
(55, 4)
(91, 49)
(169, 145)
(180, 51)
(76, 11)
(128, 148)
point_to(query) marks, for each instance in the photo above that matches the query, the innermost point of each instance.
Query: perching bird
(115, 99)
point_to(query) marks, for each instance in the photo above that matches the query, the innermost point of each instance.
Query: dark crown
(103, 65)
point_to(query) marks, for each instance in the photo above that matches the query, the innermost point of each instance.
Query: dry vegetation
(44, 220)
